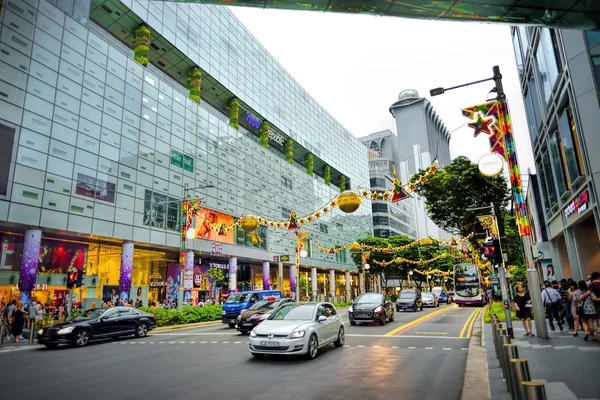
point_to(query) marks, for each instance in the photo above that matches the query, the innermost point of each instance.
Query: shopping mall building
(97, 149)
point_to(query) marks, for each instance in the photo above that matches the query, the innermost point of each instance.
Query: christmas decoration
(482, 124)
(425, 242)
(233, 112)
(355, 247)
(248, 223)
(310, 164)
(293, 223)
(332, 249)
(398, 193)
(327, 174)
(348, 201)
(263, 133)
(194, 82)
(489, 224)
(141, 44)
(289, 152)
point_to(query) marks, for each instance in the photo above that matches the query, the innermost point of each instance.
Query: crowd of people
(576, 304)
(15, 317)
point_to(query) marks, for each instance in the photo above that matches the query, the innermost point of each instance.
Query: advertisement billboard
(207, 218)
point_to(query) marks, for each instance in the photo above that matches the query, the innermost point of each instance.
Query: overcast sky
(356, 65)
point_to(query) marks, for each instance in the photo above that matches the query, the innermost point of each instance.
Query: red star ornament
(482, 124)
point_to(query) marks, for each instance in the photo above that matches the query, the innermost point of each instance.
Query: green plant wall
(233, 112)
(194, 84)
(327, 174)
(141, 44)
(342, 183)
(310, 164)
(263, 133)
(288, 148)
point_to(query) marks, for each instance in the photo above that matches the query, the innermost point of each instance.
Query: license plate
(247, 324)
(270, 344)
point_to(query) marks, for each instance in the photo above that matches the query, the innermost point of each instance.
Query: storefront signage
(182, 161)
(490, 164)
(158, 284)
(95, 188)
(218, 265)
(579, 205)
(217, 249)
(255, 122)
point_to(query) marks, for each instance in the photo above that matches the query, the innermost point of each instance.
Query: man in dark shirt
(564, 293)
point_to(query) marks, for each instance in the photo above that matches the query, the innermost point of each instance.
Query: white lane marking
(446, 348)
(346, 345)
(376, 347)
(192, 342)
(428, 348)
(142, 342)
(202, 342)
(237, 342)
(360, 345)
(151, 342)
(171, 342)
(464, 348)
(411, 347)
(224, 342)
(406, 336)
(123, 342)
(214, 342)
(162, 342)
(395, 347)
(181, 342)
(564, 347)
(192, 334)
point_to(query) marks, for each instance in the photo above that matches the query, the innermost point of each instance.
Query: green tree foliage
(216, 274)
(459, 186)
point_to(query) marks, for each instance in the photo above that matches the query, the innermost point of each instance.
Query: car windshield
(371, 298)
(294, 312)
(443, 294)
(407, 295)
(427, 296)
(90, 314)
(264, 305)
(237, 298)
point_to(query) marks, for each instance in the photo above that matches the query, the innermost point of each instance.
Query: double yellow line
(468, 328)
(417, 321)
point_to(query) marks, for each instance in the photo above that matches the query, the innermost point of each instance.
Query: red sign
(275, 258)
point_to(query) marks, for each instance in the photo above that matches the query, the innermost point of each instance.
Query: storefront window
(11, 250)
(340, 256)
(57, 257)
(558, 163)
(524, 38)
(256, 239)
(570, 145)
(536, 110)
(547, 181)
(161, 211)
(518, 54)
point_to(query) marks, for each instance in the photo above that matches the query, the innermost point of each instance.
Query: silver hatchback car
(298, 329)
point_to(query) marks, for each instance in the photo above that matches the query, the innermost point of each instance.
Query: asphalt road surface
(421, 355)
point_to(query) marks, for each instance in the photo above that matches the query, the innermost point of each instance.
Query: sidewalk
(569, 366)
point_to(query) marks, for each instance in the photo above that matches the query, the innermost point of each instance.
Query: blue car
(443, 298)
(238, 302)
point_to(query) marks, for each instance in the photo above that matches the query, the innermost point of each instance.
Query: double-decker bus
(468, 287)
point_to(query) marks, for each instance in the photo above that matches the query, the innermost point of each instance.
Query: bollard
(504, 339)
(31, 332)
(511, 352)
(499, 332)
(534, 390)
(521, 369)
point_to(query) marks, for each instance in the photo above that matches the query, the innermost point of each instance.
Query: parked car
(429, 300)
(298, 329)
(371, 307)
(409, 299)
(250, 318)
(443, 297)
(236, 302)
(99, 323)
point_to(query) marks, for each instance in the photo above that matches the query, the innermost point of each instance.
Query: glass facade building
(559, 82)
(97, 150)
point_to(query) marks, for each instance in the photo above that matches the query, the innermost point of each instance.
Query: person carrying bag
(552, 301)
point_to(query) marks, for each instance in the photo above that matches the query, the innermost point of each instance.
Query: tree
(216, 274)
(454, 189)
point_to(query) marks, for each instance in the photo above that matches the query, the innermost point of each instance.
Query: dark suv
(409, 299)
(371, 307)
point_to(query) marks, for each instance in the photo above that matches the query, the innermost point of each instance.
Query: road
(420, 355)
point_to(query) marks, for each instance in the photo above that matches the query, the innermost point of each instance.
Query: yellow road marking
(431, 333)
(464, 329)
(416, 321)
(470, 330)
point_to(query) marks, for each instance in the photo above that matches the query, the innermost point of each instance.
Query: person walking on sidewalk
(574, 294)
(566, 303)
(551, 299)
(594, 288)
(523, 305)
(18, 320)
(556, 287)
(586, 309)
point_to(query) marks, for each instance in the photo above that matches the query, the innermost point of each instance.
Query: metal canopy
(577, 14)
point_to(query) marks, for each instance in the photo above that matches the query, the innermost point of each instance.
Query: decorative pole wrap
(188, 277)
(266, 276)
(293, 280)
(126, 270)
(233, 274)
(29, 264)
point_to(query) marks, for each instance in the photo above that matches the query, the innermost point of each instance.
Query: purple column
(233, 274)
(293, 280)
(266, 275)
(126, 270)
(188, 276)
(29, 264)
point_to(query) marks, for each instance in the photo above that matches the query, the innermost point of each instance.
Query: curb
(187, 326)
(476, 384)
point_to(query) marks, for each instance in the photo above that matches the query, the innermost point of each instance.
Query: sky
(356, 65)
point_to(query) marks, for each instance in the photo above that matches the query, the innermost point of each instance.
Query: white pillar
(361, 282)
(348, 286)
(233, 275)
(332, 282)
(280, 276)
(314, 281)
(266, 276)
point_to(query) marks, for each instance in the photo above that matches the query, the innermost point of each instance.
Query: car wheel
(141, 330)
(81, 338)
(232, 325)
(51, 345)
(313, 347)
(392, 317)
(341, 338)
(382, 320)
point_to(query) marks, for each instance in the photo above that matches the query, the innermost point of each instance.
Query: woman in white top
(586, 311)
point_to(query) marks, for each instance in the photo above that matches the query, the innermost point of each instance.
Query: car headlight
(350, 309)
(252, 334)
(378, 309)
(41, 332)
(66, 331)
(296, 335)
(223, 312)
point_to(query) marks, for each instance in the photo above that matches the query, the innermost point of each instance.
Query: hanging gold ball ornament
(348, 201)
(426, 242)
(355, 247)
(248, 223)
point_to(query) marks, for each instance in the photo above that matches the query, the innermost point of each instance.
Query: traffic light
(491, 250)
(71, 279)
(79, 278)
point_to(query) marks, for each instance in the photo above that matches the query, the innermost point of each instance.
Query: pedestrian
(574, 294)
(566, 304)
(585, 309)
(523, 305)
(551, 300)
(556, 287)
(490, 295)
(32, 312)
(594, 288)
(17, 322)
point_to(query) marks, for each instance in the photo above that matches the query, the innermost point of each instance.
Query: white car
(298, 329)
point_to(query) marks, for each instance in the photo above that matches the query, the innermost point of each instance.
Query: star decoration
(374, 195)
(364, 193)
(482, 124)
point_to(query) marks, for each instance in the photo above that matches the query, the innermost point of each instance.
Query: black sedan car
(371, 307)
(256, 314)
(96, 324)
(409, 299)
